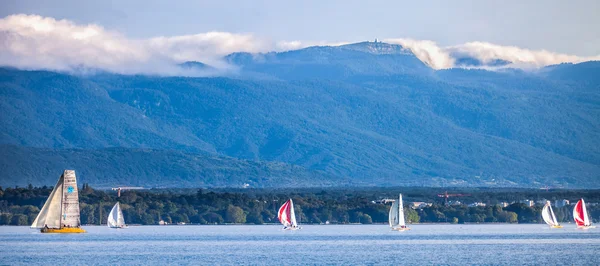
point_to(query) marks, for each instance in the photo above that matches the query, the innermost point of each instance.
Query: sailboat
(581, 217)
(115, 218)
(287, 217)
(396, 219)
(549, 217)
(60, 213)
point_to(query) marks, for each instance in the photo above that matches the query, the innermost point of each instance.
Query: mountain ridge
(362, 118)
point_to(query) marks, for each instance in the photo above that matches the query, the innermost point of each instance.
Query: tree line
(20, 206)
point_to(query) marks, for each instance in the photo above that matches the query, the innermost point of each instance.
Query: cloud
(445, 57)
(427, 51)
(205, 47)
(36, 42)
(524, 58)
(29, 41)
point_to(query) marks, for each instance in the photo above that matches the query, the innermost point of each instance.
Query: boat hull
(556, 226)
(586, 227)
(400, 229)
(118, 227)
(75, 230)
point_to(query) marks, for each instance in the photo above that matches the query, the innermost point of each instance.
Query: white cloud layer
(444, 57)
(519, 57)
(35, 42)
(427, 51)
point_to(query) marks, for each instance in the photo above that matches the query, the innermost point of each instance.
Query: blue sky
(138, 36)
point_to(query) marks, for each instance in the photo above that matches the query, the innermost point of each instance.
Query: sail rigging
(393, 219)
(50, 214)
(286, 215)
(396, 215)
(70, 202)
(61, 209)
(401, 212)
(548, 215)
(115, 217)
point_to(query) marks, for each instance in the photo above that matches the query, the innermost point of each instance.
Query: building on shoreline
(477, 204)
(420, 205)
(527, 202)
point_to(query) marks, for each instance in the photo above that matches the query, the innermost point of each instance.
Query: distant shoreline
(380, 224)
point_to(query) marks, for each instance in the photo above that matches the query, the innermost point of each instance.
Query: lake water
(498, 244)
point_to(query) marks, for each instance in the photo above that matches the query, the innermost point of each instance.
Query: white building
(383, 201)
(527, 202)
(420, 205)
(454, 202)
(477, 204)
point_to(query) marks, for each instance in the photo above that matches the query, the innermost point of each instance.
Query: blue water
(498, 244)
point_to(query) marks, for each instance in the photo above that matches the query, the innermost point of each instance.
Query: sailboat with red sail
(287, 216)
(581, 216)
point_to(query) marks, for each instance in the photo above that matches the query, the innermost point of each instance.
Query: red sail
(578, 214)
(284, 214)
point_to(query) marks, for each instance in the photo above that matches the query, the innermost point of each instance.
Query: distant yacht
(287, 217)
(549, 217)
(581, 216)
(115, 218)
(60, 213)
(396, 218)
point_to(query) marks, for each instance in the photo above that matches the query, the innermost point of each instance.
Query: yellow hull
(400, 229)
(556, 226)
(74, 230)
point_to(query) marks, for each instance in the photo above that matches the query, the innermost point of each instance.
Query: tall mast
(62, 195)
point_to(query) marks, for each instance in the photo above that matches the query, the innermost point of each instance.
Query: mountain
(359, 114)
(343, 62)
(195, 65)
(583, 72)
(112, 167)
(468, 61)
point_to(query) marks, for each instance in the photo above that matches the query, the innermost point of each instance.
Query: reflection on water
(318, 244)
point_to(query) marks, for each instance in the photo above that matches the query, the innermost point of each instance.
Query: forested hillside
(19, 206)
(364, 113)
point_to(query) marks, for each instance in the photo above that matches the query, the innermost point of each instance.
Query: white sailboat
(115, 217)
(287, 216)
(549, 217)
(396, 218)
(60, 213)
(581, 216)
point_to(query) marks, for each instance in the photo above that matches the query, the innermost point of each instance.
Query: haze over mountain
(359, 114)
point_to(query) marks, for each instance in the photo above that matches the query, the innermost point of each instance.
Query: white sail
(115, 217)
(70, 200)
(292, 214)
(50, 214)
(547, 215)
(586, 218)
(393, 219)
(552, 215)
(401, 212)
